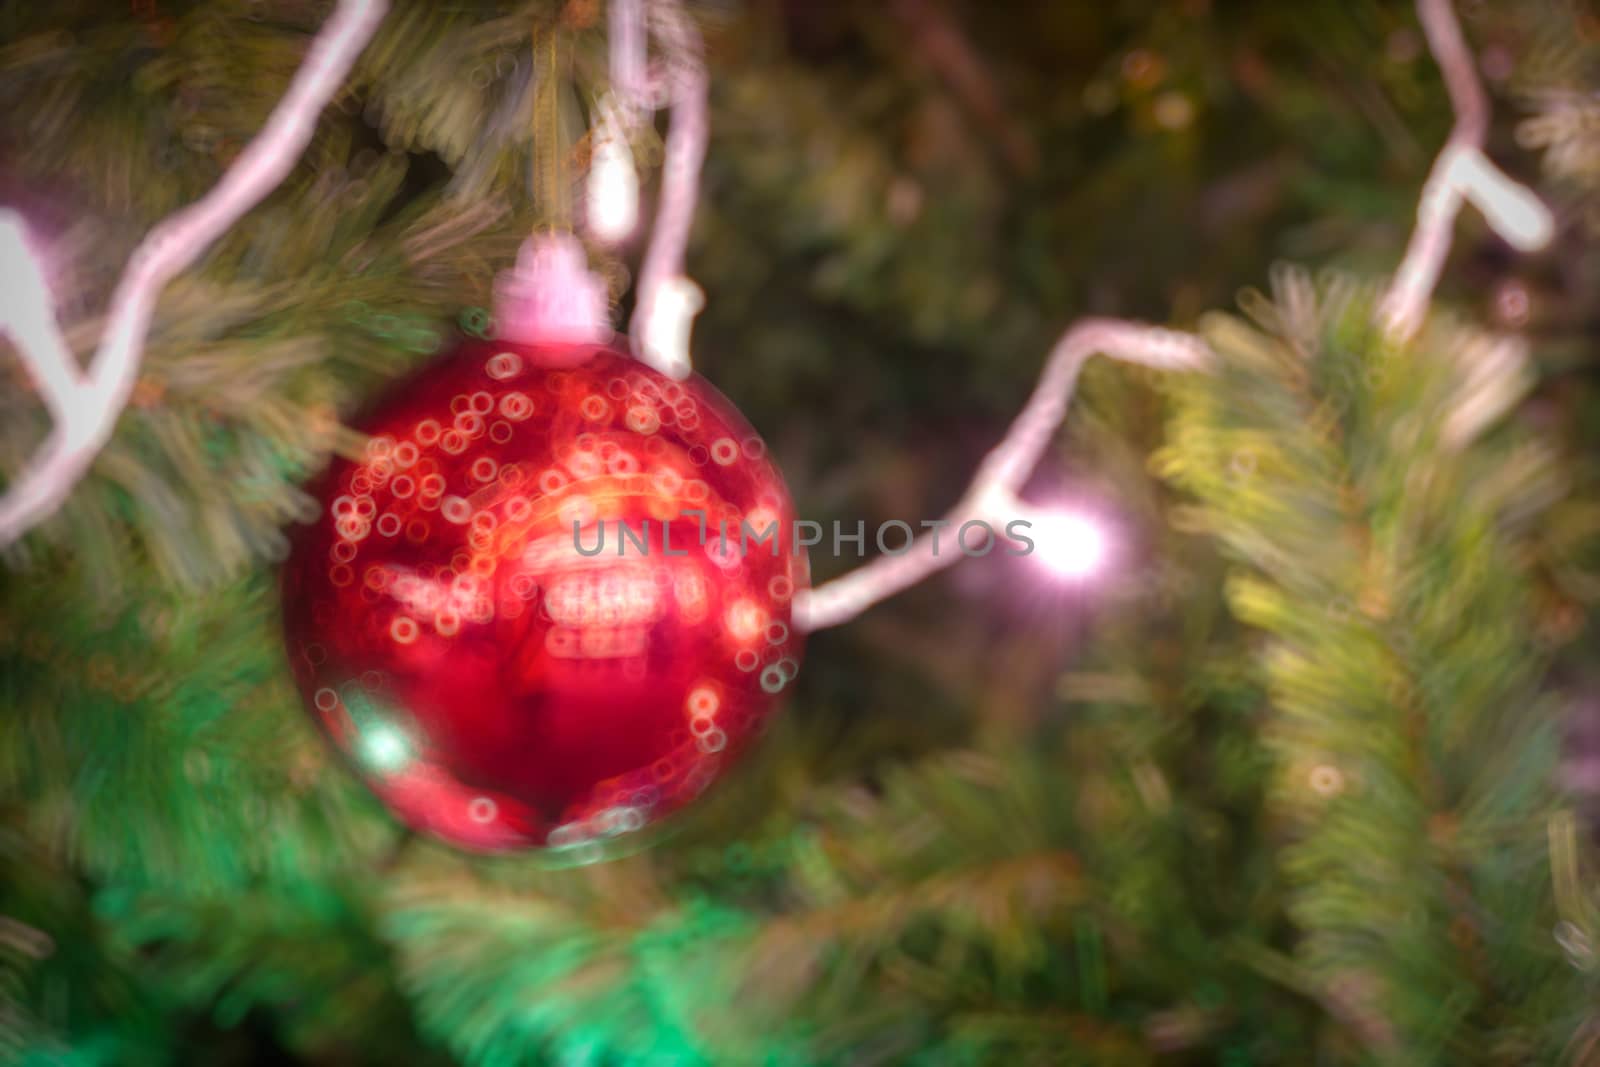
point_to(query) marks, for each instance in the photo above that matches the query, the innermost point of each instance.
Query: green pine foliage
(958, 911)
(1556, 87)
(349, 272)
(1382, 524)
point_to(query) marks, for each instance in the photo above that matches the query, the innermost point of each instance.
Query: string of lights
(1073, 543)
(84, 405)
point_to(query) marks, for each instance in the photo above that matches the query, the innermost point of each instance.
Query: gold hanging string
(551, 184)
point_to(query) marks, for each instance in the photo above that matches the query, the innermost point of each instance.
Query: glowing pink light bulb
(1069, 544)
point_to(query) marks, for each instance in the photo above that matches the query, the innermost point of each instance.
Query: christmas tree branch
(937, 36)
(993, 492)
(1385, 554)
(85, 405)
(1460, 173)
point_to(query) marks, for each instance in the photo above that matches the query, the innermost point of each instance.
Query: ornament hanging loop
(551, 298)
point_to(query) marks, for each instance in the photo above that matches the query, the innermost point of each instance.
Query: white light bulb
(613, 205)
(1513, 211)
(1069, 544)
(671, 312)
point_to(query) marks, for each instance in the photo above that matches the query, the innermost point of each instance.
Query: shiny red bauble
(551, 603)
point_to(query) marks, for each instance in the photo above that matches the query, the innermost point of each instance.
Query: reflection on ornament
(384, 749)
(497, 682)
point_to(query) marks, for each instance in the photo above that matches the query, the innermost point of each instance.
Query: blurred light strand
(993, 492)
(667, 299)
(1461, 173)
(85, 405)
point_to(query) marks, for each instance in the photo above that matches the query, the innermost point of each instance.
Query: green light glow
(384, 747)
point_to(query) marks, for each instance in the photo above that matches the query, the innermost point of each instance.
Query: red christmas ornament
(541, 611)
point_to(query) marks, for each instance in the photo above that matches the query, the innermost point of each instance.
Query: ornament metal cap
(551, 296)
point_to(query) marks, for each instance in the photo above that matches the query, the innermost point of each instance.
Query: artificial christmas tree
(1278, 783)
